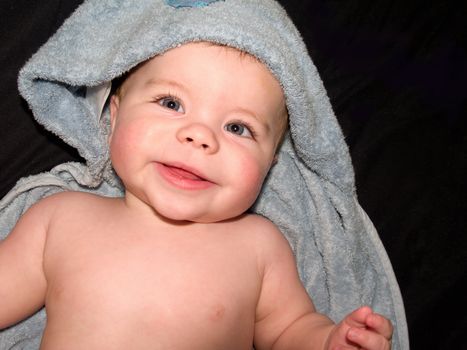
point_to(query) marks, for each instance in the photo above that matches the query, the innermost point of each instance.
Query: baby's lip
(185, 172)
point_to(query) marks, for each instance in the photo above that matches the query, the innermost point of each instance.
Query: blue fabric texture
(189, 3)
(309, 194)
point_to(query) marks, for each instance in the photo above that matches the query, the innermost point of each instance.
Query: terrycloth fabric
(309, 193)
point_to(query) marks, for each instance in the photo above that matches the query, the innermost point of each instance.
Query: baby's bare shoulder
(258, 224)
(74, 200)
(72, 197)
(61, 206)
(264, 234)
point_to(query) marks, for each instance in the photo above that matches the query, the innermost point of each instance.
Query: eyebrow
(175, 84)
(255, 116)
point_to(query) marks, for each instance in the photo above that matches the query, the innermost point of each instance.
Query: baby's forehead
(223, 49)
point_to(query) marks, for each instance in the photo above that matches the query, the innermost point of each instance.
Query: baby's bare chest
(170, 291)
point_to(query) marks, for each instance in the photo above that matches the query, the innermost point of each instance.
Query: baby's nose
(199, 136)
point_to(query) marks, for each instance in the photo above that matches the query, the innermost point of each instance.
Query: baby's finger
(380, 325)
(368, 340)
(358, 317)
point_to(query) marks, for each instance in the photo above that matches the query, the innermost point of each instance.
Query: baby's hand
(362, 329)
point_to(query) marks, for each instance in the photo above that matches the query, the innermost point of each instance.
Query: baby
(176, 263)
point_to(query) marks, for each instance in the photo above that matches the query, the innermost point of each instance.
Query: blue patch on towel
(189, 3)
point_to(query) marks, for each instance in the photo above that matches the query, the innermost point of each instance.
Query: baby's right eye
(170, 103)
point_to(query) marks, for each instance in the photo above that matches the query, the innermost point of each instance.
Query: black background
(395, 72)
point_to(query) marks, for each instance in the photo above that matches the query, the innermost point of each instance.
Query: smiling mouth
(182, 177)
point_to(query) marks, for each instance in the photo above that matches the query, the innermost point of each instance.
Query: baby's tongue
(183, 173)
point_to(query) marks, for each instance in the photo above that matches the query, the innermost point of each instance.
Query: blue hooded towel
(309, 194)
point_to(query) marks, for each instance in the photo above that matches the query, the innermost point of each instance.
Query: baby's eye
(170, 103)
(239, 129)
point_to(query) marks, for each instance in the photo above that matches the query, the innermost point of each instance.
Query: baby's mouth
(183, 177)
(182, 173)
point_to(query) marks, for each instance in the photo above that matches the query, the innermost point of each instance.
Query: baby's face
(194, 132)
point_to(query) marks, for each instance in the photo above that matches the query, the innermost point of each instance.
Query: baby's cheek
(128, 137)
(251, 178)
(123, 147)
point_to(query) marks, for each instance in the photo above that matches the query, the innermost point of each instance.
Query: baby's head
(194, 132)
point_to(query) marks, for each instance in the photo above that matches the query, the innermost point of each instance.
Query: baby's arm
(22, 280)
(287, 319)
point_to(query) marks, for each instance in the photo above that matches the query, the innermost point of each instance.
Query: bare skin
(146, 285)
(176, 263)
(108, 280)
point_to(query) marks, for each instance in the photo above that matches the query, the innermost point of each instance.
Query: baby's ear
(114, 106)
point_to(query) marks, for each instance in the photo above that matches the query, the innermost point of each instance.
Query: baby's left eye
(171, 103)
(239, 129)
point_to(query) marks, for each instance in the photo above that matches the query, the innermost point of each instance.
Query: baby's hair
(117, 83)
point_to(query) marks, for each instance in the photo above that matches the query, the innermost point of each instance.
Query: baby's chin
(201, 218)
